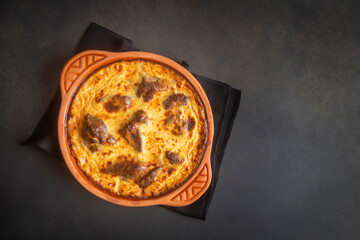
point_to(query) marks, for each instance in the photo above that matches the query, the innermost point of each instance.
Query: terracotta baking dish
(75, 71)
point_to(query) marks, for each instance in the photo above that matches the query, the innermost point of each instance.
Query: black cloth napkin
(224, 101)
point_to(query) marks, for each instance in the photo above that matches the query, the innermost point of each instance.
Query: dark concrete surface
(292, 166)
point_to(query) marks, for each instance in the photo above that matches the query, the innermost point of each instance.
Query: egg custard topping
(137, 129)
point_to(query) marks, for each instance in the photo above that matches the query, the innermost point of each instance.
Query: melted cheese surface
(123, 78)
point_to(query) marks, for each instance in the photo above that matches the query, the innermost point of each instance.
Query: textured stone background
(292, 166)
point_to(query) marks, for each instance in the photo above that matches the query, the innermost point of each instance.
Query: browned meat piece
(140, 117)
(132, 134)
(117, 102)
(149, 87)
(94, 129)
(148, 178)
(173, 100)
(190, 124)
(174, 158)
(127, 169)
(176, 122)
(94, 132)
(172, 119)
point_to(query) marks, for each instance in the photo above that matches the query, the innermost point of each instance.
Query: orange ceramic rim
(76, 70)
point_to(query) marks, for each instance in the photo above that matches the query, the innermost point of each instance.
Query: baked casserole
(136, 128)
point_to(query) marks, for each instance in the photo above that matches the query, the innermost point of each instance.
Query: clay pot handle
(195, 189)
(76, 66)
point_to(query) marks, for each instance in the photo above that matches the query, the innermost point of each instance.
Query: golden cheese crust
(137, 129)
